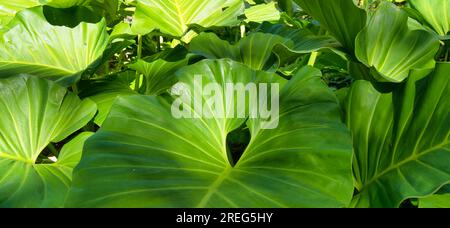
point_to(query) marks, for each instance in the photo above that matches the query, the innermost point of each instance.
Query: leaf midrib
(183, 25)
(16, 159)
(213, 188)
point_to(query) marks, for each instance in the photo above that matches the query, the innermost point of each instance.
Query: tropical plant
(126, 103)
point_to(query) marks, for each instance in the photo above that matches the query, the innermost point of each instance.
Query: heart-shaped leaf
(145, 157)
(35, 112)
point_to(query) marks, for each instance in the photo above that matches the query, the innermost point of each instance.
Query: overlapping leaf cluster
(85, 103)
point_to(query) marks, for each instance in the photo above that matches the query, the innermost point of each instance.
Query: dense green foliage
(87, 88)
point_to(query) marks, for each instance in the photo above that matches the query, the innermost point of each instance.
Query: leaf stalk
(139, 56)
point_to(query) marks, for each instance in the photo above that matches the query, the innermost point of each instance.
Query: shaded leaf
(89, 9)
(105, 91)
(257, 50)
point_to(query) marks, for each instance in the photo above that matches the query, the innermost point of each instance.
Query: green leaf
(439, 200)
(145, 157)
(391, 49)
(435, 12)
(341, 17)
(401, 139)
(70, 3)
(262, 12)
(8, 9)
(114, 47)
(257, 50)
(33, 46)
(159, 69)
(435, 201)
(122, 30)
(35, 112)
(105, 8)
(174, 17)
(254, 50)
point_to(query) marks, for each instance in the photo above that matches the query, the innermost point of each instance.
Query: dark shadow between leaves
(237, 142)
(70, 17)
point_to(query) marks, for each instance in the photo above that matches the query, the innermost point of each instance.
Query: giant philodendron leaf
(173, 17)
(35, 112)
(341, 17)
(391, 49)
(8, 9)
(435, 12)
(34, 46)
(401, 139)
(145, 157)
(257, 49)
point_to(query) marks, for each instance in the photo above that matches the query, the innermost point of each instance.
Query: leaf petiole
(139, 55)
